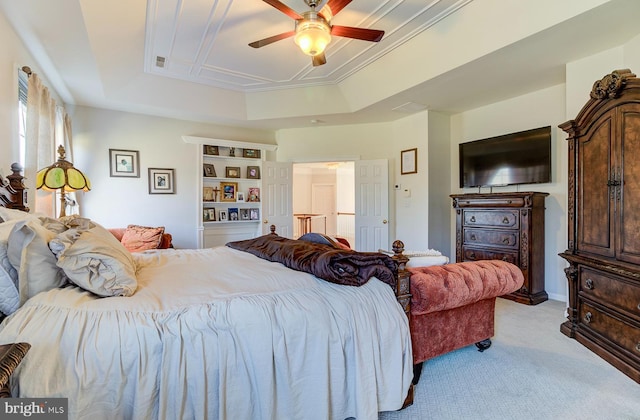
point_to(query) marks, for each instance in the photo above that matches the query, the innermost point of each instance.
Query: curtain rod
(27, 70)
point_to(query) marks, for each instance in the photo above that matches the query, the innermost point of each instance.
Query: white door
(277, 203)
(323, 201)
(372, 204)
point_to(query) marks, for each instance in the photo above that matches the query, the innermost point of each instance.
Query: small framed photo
(233, 214)
(254, 195)
(222, 216)
(162, 181)
(232, 172)
(209, 215)
(207, 194)
(253, 172)
(251, 153)
(210, 150)
(409, 161)
(240, 197)
(254, 214)
(125, 163)
(244, 214)
(229, 190)
(208, 170)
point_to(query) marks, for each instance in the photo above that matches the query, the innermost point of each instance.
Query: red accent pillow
(140, 238)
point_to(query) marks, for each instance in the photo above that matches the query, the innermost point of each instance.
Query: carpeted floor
(532, 371)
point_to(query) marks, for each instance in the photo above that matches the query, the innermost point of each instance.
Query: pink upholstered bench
(453, 305)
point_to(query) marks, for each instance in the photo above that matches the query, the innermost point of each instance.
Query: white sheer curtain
(47, 126)
(39, 151)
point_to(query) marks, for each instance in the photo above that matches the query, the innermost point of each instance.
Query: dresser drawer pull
(589, 284)
(473, 219)
(505, 220)
(639, 306)
(638, 347)
(505, 258)
(473, 237)
(587, 317)
(505, 241)
(472, 256)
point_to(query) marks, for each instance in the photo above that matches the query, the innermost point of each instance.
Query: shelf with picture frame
(221, 163)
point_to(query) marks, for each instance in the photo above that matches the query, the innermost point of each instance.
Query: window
(23, 84)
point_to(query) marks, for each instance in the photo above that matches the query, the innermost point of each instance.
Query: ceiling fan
(313, 28)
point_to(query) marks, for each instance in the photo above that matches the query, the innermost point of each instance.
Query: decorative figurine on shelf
(232, 151)
(216, 190)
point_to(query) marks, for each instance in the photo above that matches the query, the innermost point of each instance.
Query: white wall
(412, 196)
(439, 189)
(117, 202)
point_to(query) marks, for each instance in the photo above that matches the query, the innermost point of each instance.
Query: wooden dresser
(604, 223)
(508, 227)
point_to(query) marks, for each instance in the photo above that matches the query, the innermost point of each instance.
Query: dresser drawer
(508, 219)
(614, 329)
(613, 290)
(475, 254)
(497, 201)
(499, 238)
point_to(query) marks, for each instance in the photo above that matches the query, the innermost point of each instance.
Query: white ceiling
(103, 54)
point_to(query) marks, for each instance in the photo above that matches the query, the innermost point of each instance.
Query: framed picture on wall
(125, 163)
(409, 161)
(161, 181)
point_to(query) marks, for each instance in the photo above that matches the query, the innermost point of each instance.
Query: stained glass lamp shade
(62, 176)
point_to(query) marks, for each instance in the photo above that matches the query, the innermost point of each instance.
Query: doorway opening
(324, 199)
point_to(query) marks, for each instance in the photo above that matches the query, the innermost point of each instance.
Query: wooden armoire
(604, 223)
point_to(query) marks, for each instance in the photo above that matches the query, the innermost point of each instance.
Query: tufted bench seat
(453, 305)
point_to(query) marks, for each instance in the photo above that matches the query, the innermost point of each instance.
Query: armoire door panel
(595, 203)
(628, 194)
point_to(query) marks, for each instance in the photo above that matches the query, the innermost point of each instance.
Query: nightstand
(10, 357)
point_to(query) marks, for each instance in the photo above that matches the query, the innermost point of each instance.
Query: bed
(209, 333)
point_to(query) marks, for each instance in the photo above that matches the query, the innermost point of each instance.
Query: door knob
(265, 221)
(385, 221)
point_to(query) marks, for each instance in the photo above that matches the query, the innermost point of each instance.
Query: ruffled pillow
(140, 238)
(66, 222)
(96, 261)
(9, 297)
(29, 253)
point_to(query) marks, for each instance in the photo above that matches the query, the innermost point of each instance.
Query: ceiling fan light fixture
(313, 34)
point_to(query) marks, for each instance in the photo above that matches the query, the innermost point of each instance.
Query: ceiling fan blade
(272, 39)
(283, 8)
(337, 5)
(372, 35)
(319, 60)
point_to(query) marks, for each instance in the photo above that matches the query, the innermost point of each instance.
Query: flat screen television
(516, 158)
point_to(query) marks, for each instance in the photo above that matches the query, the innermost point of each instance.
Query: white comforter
(216, 334)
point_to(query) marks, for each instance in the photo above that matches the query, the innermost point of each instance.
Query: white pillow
(96, 261)
(12, 214)
(9, 297)
(29, 253)
(427, 261)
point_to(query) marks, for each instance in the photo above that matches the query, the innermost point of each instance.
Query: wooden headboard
(13, 193)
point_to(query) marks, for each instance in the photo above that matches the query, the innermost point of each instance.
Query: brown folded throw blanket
(339, 266)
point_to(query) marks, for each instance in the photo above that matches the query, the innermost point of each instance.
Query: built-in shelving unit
(229, 189)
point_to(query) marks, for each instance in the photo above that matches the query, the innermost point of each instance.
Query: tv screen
(517, 158)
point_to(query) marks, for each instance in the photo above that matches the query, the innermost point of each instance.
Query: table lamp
(62, 176)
